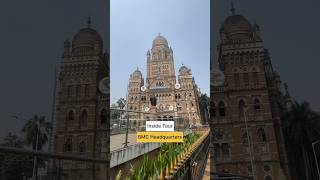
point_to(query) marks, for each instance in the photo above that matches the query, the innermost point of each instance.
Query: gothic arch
(261, 133)
(256, 103)
(222, 108)
(254, 69)
(82, 147)
(67, 147)
(83, 121)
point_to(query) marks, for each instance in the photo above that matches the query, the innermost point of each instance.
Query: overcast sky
(134, 25)
(32, 34)
(290, 30)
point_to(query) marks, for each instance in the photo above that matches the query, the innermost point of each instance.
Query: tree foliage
(301, 127)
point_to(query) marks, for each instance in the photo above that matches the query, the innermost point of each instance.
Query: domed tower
(81, 114)
(136, 81)
(160, 63)
(190, 95)
(246, 109)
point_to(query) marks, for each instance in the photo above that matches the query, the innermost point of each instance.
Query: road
(117, 141)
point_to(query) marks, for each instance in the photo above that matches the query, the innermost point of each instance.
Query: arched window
(256, 103)
(213, 109)
(103, 116)
(261, 135)
(249, 168)
(222, 109)
(68, 145)
(225, 149)
(83, 118)
(82, 147)
(241, 107)
(70, 116)
(245, 138)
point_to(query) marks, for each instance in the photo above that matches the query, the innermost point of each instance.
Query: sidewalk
(206, 174)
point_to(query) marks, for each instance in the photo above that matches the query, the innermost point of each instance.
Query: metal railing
(56, 166)
(131, 121)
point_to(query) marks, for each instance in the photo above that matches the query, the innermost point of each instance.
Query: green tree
(37, 125)
(13, 166)
(121, 103)
(301, 127)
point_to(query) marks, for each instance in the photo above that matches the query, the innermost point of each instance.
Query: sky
(134, 25)
(290, 30)
(32, 34)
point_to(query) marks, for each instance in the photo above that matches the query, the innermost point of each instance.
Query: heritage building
(174, 98)
(81, 125)
(246, 109)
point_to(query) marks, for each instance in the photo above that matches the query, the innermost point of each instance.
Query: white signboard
(160, 126)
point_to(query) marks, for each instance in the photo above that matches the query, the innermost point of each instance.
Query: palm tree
(37, 124)
(301, 127)
(121, 103)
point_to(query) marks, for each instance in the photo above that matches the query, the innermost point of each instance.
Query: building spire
(232, 8)
(89, 22)
(159, 34)
(286, 90)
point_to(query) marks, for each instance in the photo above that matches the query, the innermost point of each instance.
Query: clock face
(171, 108)
(177, 86)
(143, 88)
(218, 77)
(103, 85)
(146, 109)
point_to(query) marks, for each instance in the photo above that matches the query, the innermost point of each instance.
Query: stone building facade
(81, 112)
(175, 98)
(246, 109)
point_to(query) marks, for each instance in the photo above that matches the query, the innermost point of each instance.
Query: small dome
(159, 41)
(137, 73)
(87, 40)
(184, 70)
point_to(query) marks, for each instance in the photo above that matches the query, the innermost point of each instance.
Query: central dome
(160, 41)
(87, 37)
(236, 23)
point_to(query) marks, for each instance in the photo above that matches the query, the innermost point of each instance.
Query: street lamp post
(315, 155)
(249, 141)
(127, 125)
(35, 162)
